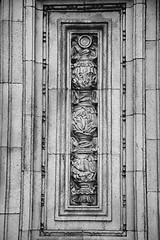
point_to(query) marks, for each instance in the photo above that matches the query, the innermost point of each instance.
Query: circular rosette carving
(84, 75)
(84, 122)
(83, 168)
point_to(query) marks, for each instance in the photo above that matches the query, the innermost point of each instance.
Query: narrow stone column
(139, 168)
(152, 116)
(11, 118)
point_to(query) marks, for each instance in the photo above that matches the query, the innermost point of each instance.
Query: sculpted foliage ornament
(84, 130)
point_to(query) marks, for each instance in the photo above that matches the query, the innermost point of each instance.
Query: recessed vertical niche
(84, 124)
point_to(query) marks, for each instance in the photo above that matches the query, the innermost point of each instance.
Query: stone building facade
(80, 120)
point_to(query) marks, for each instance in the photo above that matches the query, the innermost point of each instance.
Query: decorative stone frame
(132, 115)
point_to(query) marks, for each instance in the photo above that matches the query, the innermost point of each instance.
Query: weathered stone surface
(152, 215)
(151, 20)
(151, 120)
(35, 95)
(15, 114)
(152, 164)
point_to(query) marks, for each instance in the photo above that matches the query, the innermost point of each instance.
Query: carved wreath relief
(84, 130)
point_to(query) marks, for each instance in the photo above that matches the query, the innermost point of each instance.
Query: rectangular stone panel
(83, 121)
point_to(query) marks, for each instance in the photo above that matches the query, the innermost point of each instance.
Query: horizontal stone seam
(8, 147)
(10, 20)
(152, 139)
(69, 154)
(153, 90)
(99, 89)
(150, 40)
(10, 213)
(134, 114)
(136, 4)
(28, 114)
(10, 83)
(134, 59)
(153, 191)
(26, 60)
(135, 171)
(31, 6)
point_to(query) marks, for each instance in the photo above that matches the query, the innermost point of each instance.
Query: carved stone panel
(83, 160)
(84, 128)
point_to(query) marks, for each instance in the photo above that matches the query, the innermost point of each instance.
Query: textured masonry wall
(17, 116)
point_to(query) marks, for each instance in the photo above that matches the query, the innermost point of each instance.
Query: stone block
(140, 201)
(37, 153)
(3, 168)
(13, 226)
(29, 87)
(116, 121)
(129, 88)
(5, 51)
(151, 20)
(26, 200)
(129, 143)
(5, 10)
(36, 200)
(39, 36)
(39, 97)
(139, 107)
(29, 33)
(158, 65)
(30, 3)
(38, 4)
(1, 226)
(151, 118)
(129, 4)
(152, 163)
(151, 62)
(17, 10)
(52, 181)
(15, 180)
(4, 114)
(17, 67)
(153, 227)
(130, 201)
(61, 118)
(129, 31)
(16, 115)
(159, 202)
(28, 143)
(116, 56)
(139, 142)
(52, 121)
(139, 34)
(141, 235)
(116, 186)
(25, 235)
(158, 157)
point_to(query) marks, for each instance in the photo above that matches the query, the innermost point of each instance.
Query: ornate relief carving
(84, 64)
(84, 130)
